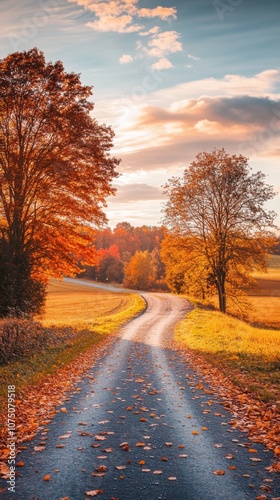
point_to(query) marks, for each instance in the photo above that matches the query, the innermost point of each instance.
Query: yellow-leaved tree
(187, 271)
(215, 215)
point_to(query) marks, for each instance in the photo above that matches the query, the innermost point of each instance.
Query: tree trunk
(20, 294)
(221, 292)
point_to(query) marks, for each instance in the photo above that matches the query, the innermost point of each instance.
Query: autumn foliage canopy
(55, 174)
(218, 226)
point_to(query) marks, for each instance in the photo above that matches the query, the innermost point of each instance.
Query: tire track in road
(138, 427)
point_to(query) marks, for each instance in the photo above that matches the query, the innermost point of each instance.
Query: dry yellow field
(263, 300)
(266, 299)
(70, 304)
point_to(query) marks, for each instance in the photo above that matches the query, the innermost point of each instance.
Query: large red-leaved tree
(55, 174)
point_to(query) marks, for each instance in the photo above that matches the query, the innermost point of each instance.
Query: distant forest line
(126, 248)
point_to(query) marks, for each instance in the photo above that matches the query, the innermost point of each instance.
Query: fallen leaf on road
(265, 487)
(172, 478)
(101, 468)
(65, 436)
(274, 467)
(157, 472)
(219, 472)
(94, 493)
(5, 471)
(47, 477)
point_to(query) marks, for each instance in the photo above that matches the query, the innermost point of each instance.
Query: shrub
(18, 338)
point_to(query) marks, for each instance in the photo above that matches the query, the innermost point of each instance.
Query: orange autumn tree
(55, 174)
(216, 212)
(139, 272)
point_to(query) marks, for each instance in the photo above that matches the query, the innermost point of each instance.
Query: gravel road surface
(139, 427)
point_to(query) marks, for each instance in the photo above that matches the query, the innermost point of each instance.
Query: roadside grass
(247, 352)
(249, 356)
(76, 319)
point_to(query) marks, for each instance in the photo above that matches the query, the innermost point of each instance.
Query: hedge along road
(138, 427)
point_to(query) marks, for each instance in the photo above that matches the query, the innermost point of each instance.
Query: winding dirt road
(138, 427)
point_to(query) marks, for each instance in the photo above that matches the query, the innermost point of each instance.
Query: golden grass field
(266, 300)
(73, 305)
(240, 349)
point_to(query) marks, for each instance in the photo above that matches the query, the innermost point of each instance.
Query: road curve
(138, 427)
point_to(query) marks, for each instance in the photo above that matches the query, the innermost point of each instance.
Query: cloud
(130, 193)
(164, 13)
(195, 58)
(162, 63)
(119, 24)
(126, 58)
(164, 43)
(156, 136)
(152, 31)
(122, 16)
(260, 85)
(138, 201)
(161, 135)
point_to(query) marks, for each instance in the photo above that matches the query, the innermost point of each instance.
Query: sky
(172, 77)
